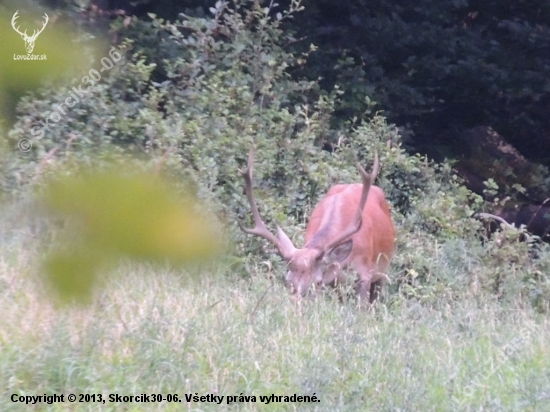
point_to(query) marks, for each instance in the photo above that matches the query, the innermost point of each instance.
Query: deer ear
(285, 241)
(339, 253)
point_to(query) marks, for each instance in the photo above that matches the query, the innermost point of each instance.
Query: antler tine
(259, 228)
(35, 32)
(43, 25)
(13, 22)
(355, 224)
(368, 181)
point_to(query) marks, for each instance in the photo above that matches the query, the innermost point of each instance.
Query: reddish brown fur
(351, 226)
(373, 244)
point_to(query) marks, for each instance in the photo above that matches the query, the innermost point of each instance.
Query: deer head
(29, 40)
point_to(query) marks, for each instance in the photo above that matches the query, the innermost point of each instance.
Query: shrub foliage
(191, 97)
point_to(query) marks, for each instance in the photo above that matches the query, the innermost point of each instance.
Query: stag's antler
(37, 32)
(14, 18)
(355, 224)
(282, 241)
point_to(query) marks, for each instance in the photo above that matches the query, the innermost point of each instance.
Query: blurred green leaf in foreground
(114, 214)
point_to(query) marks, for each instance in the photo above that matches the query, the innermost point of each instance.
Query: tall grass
(152, 330)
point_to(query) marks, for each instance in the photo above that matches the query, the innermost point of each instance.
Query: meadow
(461, 326)
(152, 330)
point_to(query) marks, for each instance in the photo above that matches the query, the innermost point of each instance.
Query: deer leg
(375, 289)
(363, 290)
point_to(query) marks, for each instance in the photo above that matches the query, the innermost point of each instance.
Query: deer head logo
(29, 40)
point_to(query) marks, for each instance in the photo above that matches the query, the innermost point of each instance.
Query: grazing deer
(351, 226)
(29, 40)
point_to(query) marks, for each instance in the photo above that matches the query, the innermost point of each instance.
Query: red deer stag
(351, 226)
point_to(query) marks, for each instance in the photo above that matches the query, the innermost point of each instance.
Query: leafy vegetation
(188, 99)
(440, 67)
(140, 219)
(229, 90)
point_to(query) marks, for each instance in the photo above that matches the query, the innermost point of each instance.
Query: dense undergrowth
(188, 99)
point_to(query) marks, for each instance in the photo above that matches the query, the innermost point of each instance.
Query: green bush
(439, 67)
(191, 97)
